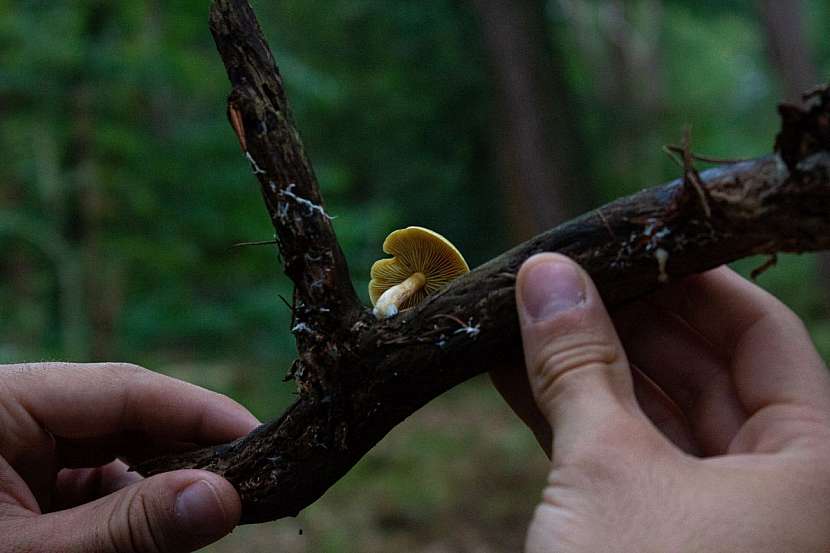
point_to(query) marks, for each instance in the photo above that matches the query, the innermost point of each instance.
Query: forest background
(123, 193)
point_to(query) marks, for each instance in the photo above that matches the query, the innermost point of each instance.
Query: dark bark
(324, 300)
(369, 375)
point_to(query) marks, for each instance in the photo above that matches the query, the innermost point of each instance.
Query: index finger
(771, 357)
(82, 401)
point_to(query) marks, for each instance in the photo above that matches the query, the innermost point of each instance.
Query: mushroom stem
(389, 302)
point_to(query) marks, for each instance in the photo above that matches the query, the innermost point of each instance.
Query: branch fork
(358, 377)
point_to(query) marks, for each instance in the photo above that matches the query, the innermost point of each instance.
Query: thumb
(174, 512)
(577, 368)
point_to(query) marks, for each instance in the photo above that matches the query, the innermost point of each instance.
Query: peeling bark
(359, 377)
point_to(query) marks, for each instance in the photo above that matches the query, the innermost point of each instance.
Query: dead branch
(359, 377)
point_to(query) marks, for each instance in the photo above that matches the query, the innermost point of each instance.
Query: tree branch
(258, 110)
(359, 377)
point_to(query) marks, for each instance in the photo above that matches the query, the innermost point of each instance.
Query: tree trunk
(66, 257)
(100, 268)
(620, 43)
(534, 135)
(787, 49)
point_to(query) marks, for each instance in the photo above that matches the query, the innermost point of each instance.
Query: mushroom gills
(389, 302)
(422, 263)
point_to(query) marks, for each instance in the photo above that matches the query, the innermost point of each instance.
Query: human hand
(727, 444)
(62, 487)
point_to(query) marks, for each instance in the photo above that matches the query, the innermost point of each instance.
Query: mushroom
(423, 263)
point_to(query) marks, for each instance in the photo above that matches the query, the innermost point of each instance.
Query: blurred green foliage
(123, 191)
(115, 142)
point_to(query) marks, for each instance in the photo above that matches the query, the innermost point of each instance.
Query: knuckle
(129, 527)
(569, 356)
(774, 311)
(143, 529)
(798, 325)
(117, 537)
(122, 376)
(576, 351)
(125, 370)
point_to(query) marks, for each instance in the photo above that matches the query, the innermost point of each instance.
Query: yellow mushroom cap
(416, 250)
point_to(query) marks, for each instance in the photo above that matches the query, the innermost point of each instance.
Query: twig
(770, 262)
(691, 178)
(257, 243)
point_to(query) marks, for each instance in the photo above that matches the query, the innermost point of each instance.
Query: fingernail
(551, 287)
(199, 509)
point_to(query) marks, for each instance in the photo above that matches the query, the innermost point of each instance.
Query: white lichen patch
(256, 169)
(282, 212)
(309, 205)
(301, 327)
(470, 330)
(655, 232)
(662, 257)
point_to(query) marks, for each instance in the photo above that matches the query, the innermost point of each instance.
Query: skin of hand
(63, 428)
(697, 419)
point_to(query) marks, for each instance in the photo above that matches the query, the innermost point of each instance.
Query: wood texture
(359, 377)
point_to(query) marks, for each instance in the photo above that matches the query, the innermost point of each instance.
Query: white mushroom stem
(389, 302)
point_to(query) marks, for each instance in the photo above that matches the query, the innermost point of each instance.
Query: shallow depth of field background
(123, 191)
